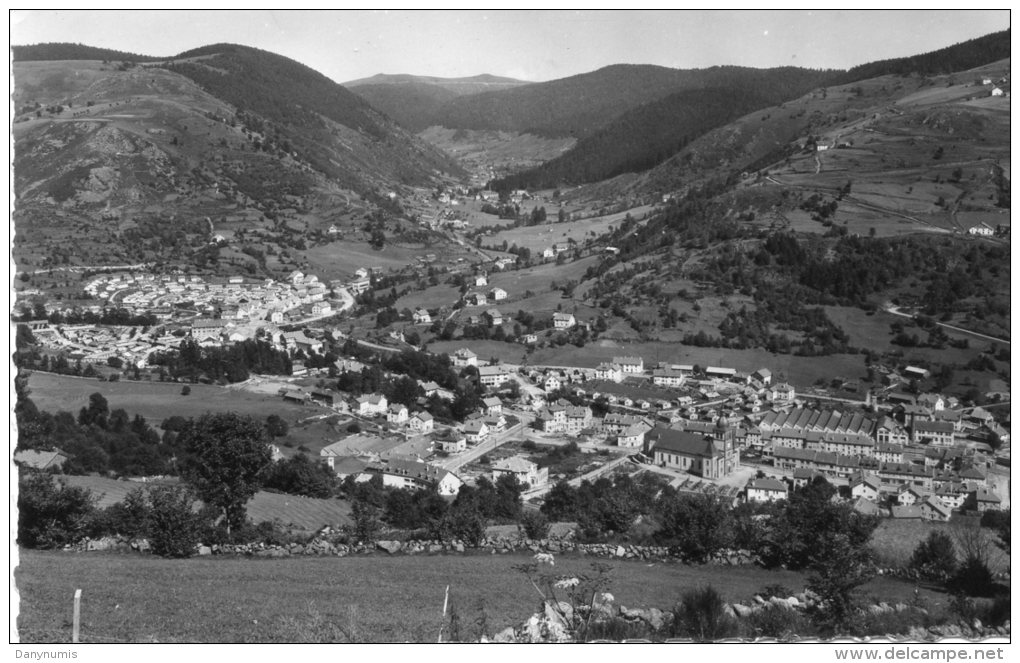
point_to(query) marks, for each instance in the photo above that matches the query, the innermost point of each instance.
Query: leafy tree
(24, 338)
(300, 475)
(276, 425)
(174, 528)
(51, 513)
(696, 526)
(839, 568)
(935, 557)
(468, 525)
(366, 521)
(96, 412)
(535, 524)
(227, 455)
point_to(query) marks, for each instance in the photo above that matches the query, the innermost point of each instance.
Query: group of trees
(430, 515)
(224, 461)
(232, 364)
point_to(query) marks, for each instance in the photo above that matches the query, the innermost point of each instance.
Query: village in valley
(896, 451)
(704, 354)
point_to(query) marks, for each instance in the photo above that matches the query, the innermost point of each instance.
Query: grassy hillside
(126, 164)
(372, 598)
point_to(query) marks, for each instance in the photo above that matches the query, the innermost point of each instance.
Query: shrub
(535, 524)
(354, 427)
(973, 578)
(174, 528)
(53, 514)
(701, 616)
(775, 590)
(776, 622)
(935, 557)
(185, 390)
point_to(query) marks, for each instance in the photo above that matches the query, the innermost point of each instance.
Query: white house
(782, 394)
(492, 376)
(415, 475)
(421, 422)
(476, 431)
(630, 364)
(497, 294)
(633, 436)
(563, 320)
(422, 317)
(667, 377)
(464, 357)
(607, 371)
(492, 405)
(552, 383)
(766, 490)
(371, 404)
(451, 442)
(524, 470)
(397, 413)
(865, 485)
(481, 280)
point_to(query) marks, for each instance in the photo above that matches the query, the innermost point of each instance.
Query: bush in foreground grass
(52, 514)
(701, 615)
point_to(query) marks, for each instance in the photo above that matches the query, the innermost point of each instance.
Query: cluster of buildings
(235, 298)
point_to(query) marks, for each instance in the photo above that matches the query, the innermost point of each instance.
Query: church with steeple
(711, 456)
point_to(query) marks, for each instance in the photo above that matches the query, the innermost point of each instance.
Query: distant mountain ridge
(68, 51)
(462, 85)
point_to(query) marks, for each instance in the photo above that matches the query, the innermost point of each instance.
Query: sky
(529, 44)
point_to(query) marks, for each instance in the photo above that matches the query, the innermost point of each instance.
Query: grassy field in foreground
(373, 598)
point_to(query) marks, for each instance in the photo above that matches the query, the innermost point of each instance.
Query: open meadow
(369, 598)
(157, 401)
(305, 513)
(540, 237)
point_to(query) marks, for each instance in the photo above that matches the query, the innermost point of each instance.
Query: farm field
(158, 400)
(895, 540)
(537, 279)
(538, 238)
(510, 353)
(433, 297)
(798, 370)
(873, 332)
(339, 260)
(372, 598)
(307, 513)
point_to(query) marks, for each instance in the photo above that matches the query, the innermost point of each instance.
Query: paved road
(493, 442)
(896, 311)
(598, 471)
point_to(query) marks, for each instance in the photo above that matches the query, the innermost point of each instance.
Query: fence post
(446, 600)
(77, 616)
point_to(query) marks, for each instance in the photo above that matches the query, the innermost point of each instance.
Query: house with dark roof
(414, 475)
(982, 500)
(933, 508)
(939, 433)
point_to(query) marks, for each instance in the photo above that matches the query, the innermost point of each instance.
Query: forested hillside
(958, 57)
(66, 51)
(648, 135)
(303, 111)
